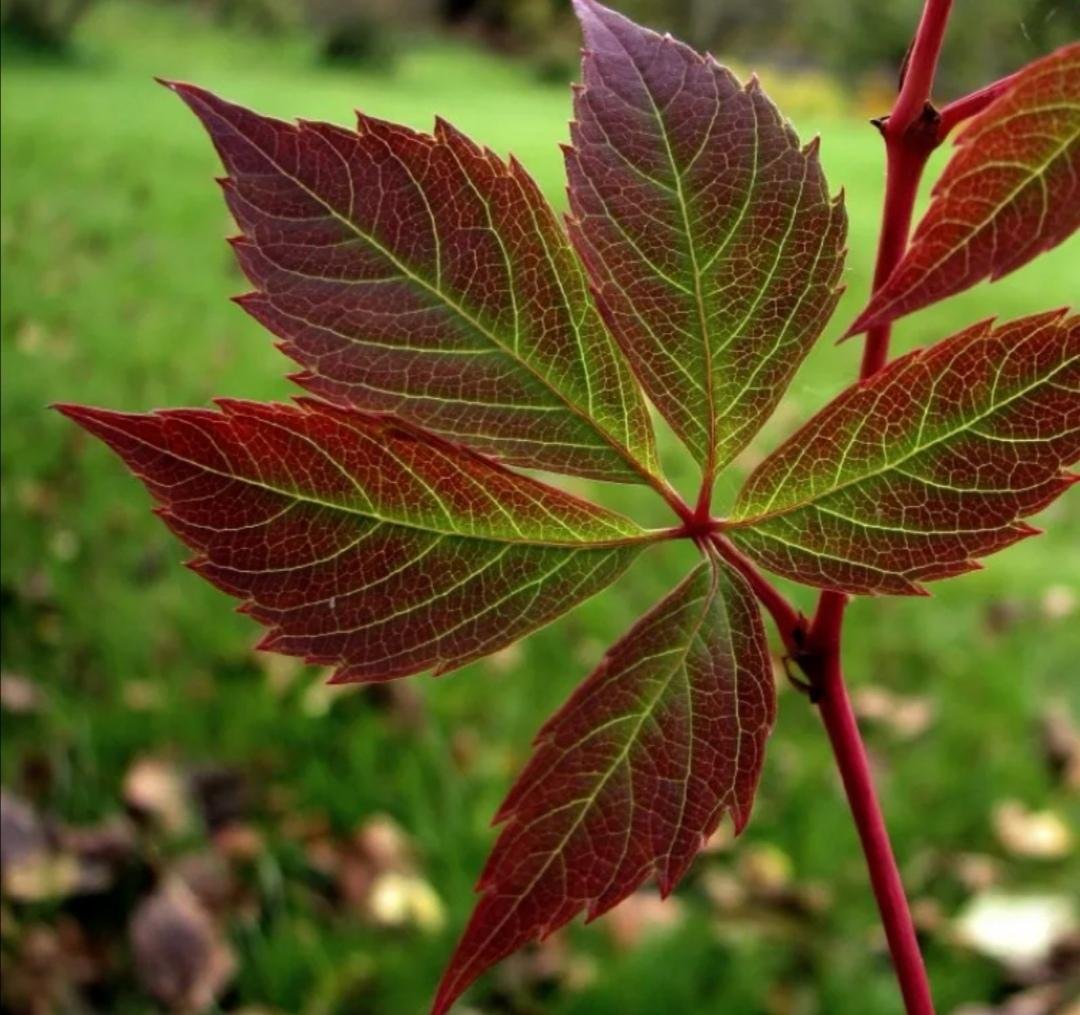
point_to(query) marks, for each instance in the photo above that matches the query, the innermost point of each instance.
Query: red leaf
(1010, 191)
(930, 463)
(419, 274)
(708, 233)
(633, 774)
(360, 541)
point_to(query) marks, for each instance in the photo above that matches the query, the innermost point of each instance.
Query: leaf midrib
(305, 498)
(435, 290)
(809, 501)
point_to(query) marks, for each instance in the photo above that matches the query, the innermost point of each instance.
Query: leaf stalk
(911, 132)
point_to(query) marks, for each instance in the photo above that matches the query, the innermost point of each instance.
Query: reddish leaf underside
(361, 542)
(419, 274)
(632, 775)
(1010, 191)
(932, 462)
(707, 231)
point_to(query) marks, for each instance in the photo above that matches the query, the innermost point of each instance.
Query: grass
(115, 293)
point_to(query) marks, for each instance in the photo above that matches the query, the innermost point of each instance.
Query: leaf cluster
(454, 332)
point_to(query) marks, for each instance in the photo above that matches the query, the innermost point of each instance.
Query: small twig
(969, 105)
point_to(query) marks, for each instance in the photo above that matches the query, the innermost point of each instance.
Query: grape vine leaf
(361, 541)
(708, 232)
(933, 461)
(421, 275)
(1010, 191)
(633, 774)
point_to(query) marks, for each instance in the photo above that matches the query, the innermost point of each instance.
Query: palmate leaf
(633, 774)
(932, 462)
(361, 542)
(708, 232)
(1010, 191)
(419, 274)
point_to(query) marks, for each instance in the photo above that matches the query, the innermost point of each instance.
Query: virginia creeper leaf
(1010, 191)
(633, 774)
(708, 233)
(930, 463)
(419, 274)
(360, 541)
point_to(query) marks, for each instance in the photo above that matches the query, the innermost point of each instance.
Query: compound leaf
(1010, 191)
(361, 541)
(633, 774)
(421, 275)
(930, 463)
(707, 231)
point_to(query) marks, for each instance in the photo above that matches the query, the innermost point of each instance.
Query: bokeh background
(189, 826)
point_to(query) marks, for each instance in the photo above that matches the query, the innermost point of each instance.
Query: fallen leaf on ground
(1039, 835)
(180, 956)
(19, 695)
(1016, 930)
(156, 791)
(641, 916)
(905, 716)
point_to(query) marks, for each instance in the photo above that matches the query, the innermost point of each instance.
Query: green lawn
(115, 288)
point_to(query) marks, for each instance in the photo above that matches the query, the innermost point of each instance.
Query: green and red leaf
(1010, 191)
(931, 463)
(709, 234)
(633, 774)
(421, 275)
(360, 541)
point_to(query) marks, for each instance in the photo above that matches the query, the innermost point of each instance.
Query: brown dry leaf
(977, 871)
(905, 716)
(641, 916)
(723, 890)
(1061, 744)
(239, 842)
(157, 791)
(33, 867)
(378, 876)
(210, 879)
(181, 958)
(765, 869)
(383, 843)
(19, 695)
(222, 794)
(1039, 835)
(1059, 602)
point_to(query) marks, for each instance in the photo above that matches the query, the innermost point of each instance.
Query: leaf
(1010, 191)
(633, 774)
(419, 274)
(930, 463)
(707, 232)
(362, 542)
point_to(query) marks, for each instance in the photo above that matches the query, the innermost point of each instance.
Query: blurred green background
(190, 826)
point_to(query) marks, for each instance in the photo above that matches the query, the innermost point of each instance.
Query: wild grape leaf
(708, 233)
(633, 774)
(930, 463)
(419, 274)
(360, 541)
(1010, 191)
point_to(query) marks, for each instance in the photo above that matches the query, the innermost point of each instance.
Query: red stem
(904, 165)
(911, 132)
(854, 768)
(918, 80)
